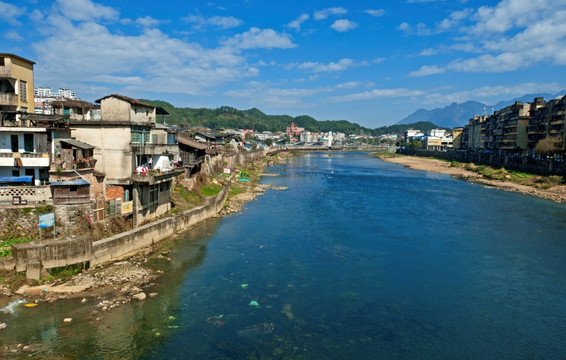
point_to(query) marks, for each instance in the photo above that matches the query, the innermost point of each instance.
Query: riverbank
(555, 193)
(126, 278)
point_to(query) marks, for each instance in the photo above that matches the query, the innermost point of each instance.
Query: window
(73, 188)
(15, 143)
(23, 91)
(28, 143)
(2, 62)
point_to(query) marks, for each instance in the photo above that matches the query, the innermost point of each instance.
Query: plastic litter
(254, 303)
(30, 305)
(3, 326)
(215, 320)
(244, 286)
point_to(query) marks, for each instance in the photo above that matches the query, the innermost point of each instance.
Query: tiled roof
(128, 99)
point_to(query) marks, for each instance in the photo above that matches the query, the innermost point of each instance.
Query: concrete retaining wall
(33, 257)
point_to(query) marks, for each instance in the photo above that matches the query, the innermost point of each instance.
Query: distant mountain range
(457, 115)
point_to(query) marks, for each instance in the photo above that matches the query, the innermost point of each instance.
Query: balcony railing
(154, 149)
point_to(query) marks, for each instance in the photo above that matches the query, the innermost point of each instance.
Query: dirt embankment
(555, 193)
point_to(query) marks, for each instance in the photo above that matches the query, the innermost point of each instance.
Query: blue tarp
(70, 183)
(15, 179)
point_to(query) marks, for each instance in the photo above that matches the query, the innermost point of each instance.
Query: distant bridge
(322, 148)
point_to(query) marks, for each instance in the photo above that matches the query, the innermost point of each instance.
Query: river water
(357, 259)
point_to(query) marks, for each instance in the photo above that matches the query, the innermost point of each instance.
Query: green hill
(226, 117)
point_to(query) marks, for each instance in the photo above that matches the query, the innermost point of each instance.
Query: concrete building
(76, 110)
(293, 130)
(16, 86)
(134, 153)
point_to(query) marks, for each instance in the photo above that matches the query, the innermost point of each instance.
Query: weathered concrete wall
(52, 253)
(34, 195)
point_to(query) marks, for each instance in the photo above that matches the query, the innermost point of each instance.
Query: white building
(437, 132)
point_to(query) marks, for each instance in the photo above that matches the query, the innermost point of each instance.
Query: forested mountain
(226, 117)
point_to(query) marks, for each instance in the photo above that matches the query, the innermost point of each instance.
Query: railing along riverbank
(517, 163)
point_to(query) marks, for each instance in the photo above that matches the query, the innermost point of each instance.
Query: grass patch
(520, 175)
(65, 273)
(5, 245)
(210, 190)
(187, 195)
(235, 190)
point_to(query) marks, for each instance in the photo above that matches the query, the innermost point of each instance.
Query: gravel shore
(555, 193)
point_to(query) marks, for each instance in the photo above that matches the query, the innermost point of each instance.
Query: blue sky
(368, 62)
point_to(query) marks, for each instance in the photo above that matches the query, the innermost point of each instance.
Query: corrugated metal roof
(15, 179)
(76, 143)
(70, 183)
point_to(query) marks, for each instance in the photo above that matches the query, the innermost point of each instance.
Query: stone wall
(20, 223)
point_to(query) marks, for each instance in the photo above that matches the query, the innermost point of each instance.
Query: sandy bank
(556, 193)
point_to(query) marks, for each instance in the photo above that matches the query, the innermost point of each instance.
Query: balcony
(155, 176)
(8, 99)
(154, 149)
(80, 164)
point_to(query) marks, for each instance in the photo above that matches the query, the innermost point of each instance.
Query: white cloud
(489, 94)
(256, 38)
(36, 16)
(13, 35)
(147, 21)
(404, 26)
(10, 13)
(376, 94)
(428, 52)
(86, 10)
(513, 13)
(513, 35)
(129, 63)
(343, 25)
(296, 24)
(323, 14)
(220, 22)
(341, 65)
(427, 70)
(375, 12)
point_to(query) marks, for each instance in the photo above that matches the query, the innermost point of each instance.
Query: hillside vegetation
(226, 117)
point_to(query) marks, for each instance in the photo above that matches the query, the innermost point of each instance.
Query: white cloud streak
(343, 25)
(10, 13)
(323, 14)
(86, 10)
(296, 24)
(256, 38)
(219, 22)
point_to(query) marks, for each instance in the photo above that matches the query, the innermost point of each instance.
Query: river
(356, 259)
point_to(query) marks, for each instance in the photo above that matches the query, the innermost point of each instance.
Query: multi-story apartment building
(16, 86)
(133, 152)
(518, 128)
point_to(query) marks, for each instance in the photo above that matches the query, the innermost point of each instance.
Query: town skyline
(371, 64)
